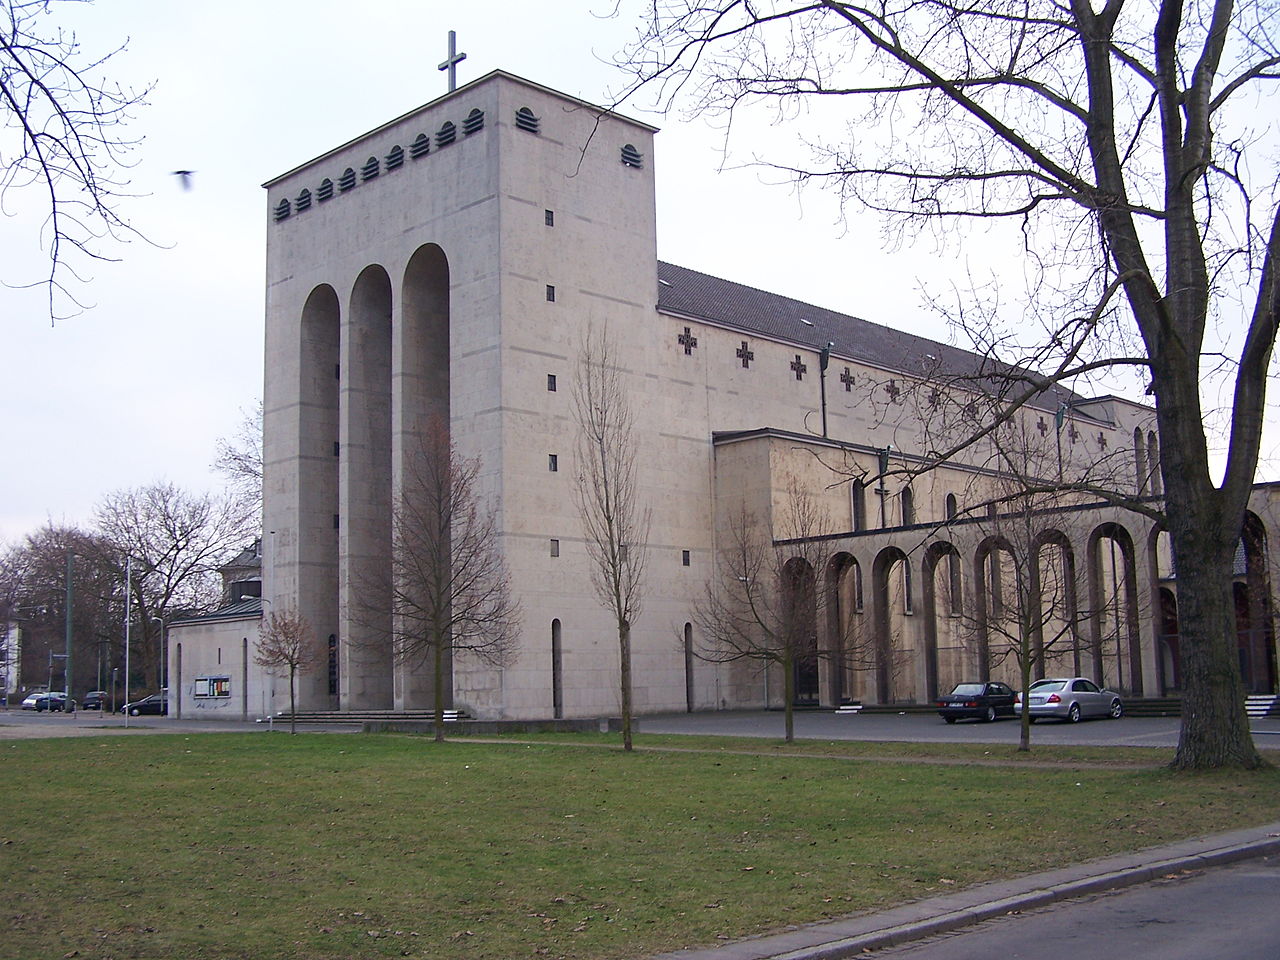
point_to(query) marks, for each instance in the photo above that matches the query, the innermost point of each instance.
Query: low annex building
(448, 265)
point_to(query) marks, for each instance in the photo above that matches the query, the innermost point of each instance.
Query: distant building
(10, 655)
(211, 669)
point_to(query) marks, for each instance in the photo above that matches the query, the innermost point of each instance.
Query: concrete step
(896, 708)
(1262, 706)
(362, 716)
(1153, 707)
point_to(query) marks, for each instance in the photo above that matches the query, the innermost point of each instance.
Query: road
(827, 725)
(1228, 913)
(809, 724)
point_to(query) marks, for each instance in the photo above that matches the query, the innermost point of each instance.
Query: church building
(447, 266)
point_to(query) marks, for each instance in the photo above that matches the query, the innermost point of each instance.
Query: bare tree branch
(62, 135)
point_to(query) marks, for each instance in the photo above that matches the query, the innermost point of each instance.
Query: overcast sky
(140, 386)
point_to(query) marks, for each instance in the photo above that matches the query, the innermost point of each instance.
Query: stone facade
(446, 267)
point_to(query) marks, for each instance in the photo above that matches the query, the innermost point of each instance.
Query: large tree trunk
(1215, 728)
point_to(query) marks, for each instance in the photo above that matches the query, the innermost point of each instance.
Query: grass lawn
(339, 846)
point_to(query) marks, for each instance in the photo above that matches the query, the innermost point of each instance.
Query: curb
(853, 936)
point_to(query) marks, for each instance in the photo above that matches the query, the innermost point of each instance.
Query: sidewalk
(852, 936)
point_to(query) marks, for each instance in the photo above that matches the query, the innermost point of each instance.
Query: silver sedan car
(1070, 699)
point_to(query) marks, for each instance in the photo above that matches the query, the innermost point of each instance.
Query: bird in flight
(185, 176)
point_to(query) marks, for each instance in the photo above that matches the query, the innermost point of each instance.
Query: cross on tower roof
(451, 62)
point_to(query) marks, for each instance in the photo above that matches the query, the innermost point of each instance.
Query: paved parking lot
(825, 725)
(815, 725)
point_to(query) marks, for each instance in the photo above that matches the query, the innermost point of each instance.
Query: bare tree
(33, 587)
(176, 540)
(239, 459)
(615, 523)
(450, 588)
(1026, 609)
(286, 642)
(760, 604)
(62, 129)
(1123, 140)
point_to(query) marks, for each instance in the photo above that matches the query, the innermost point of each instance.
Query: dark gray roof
(240, 610)
(704, 297)
(250, 558)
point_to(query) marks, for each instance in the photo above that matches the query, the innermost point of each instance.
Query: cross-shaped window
(799, 367)
(746, 355)
(1102, 440)
(1042, 426)
(688, 341)
(892, 389)
(847, 379)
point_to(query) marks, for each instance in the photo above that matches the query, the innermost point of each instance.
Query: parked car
(54, 702)
(981, 701)
(1071, 699)
(157, 705)
(94, 700)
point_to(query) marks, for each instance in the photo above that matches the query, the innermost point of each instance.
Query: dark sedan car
(980, 701)
(93, 700)
(157, 705)
(55, 702)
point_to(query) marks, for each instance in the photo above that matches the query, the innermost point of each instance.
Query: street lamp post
(66, 673)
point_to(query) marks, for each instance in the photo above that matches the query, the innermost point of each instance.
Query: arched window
(858, 497)
(557, 672)
(631, 157)
(333, 665)
(526, 121)
(952, 507)
(908, 502)
(1153, 464)
(688, 667)
(1140, 461)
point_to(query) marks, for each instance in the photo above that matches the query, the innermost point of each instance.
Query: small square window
(551, 383)
(555, 548)
(553, 463)
(684, 558)
(549, 217)
(551, 294)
